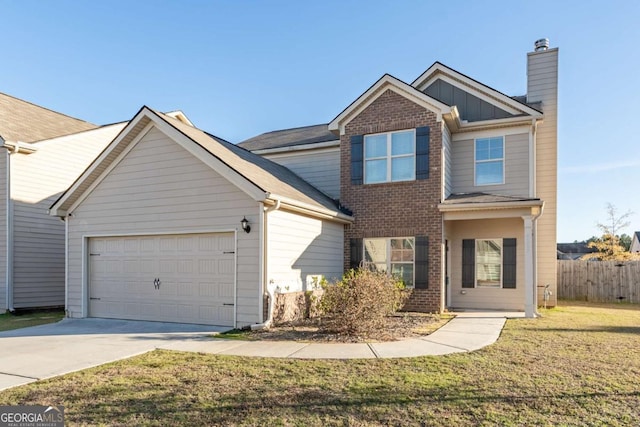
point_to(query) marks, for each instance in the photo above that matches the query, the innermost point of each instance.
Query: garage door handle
(94, 299)
(224, 303)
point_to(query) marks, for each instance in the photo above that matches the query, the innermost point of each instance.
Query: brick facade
(397, 209)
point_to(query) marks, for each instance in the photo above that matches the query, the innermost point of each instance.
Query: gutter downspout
(264, 270)
(9, 230)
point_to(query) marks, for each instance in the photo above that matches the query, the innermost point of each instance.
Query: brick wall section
(401, 209)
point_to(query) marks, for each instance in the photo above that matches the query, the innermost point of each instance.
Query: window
(489, 161)
(389, 157)
(489, 263)
(394, 256)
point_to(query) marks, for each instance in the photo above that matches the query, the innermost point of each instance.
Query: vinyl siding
(37, 180)
(446, 147)
(542, 72)
(486, 298)
(3, 231)
(516, 161)
(319, 167)
(159, 187)
(299, 246)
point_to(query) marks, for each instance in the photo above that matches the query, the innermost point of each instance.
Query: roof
(575, 248)
(464, 198)
(289, 137)
(26, 122)
(267, 180)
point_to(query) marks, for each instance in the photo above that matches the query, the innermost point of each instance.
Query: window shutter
(356, 253)
(422, 152)
(357, 155)
(468, 263)
(421, 262)
(509, 263)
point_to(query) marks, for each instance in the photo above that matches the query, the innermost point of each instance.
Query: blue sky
(240, 68)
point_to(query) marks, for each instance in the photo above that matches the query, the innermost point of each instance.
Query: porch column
(529, 285)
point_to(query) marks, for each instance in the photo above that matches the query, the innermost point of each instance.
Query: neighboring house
(452, 184)
(635, 243)
(32, 171)
(574, 251)
(155, 228)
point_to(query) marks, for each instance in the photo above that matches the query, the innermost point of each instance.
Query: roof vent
(541, 44)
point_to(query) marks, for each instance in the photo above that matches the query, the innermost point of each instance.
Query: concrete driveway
(45, 351)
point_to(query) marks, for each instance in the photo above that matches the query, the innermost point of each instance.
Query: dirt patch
(396, 327)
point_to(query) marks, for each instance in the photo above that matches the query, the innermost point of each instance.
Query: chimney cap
(541, 44)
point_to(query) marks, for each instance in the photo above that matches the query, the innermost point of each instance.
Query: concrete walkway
(45, 351)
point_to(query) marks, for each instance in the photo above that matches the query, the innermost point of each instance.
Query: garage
(186, 278)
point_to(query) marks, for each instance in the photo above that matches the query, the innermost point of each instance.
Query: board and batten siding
(37, 180)
(516, 163)
(321, 167)
(486, 298)
(160, 188)
(315, 250)
(4, 304)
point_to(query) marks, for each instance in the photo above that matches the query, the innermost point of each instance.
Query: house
(38, 163)
(574, 251)
(445, 182)
(635, 243)
(171, 223)
(452, 184)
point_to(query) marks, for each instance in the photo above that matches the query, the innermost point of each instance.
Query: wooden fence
(599, 281)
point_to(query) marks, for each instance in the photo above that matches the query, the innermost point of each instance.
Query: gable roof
(26, 122)
(313, 134)
(512, 105)
(388, 82)
(261, 179)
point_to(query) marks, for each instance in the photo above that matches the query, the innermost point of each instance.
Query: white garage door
(185, 278)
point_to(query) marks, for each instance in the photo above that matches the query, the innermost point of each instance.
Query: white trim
(532, 159)
(318, 146)
(520, 129)
(66, 265)
(235, 279)
(503, 159)
(529, 285)
(488, 94)
(374, 92)
(262, 262)
(388, 157)
(9, 236)
(108, 169)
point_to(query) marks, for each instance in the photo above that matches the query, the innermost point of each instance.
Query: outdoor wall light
(245, 225)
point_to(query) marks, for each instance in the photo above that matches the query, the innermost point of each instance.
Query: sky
(240, 68)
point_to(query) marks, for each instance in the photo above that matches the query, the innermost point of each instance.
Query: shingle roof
(263, 173)
(289, 137)
(26, 122)
(461, 198)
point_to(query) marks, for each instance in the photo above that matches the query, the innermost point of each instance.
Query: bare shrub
(358, 304)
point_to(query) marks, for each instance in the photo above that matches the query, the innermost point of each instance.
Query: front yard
(578, 365)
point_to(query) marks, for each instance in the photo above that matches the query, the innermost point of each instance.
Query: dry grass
(578, 365)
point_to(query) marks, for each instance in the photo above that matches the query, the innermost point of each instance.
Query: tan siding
(299, 246)
(319, 167)
(516, 167)
(161, 188)
(38, 179)
(448, 155)
(486, 298)
(542, 71)
(3, 231)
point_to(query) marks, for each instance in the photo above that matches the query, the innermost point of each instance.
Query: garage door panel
(195, 272)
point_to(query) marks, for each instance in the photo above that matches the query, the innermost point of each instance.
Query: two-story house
(452, 183)
(445, 182)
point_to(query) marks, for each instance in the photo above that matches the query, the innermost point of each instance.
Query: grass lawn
(578, 365)
(11, 321)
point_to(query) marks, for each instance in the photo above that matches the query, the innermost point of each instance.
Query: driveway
(45, 351)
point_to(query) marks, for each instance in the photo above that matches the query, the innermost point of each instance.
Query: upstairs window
(489, 161)
(390, 157)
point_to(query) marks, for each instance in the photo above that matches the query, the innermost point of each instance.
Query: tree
(611, 246)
